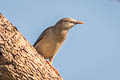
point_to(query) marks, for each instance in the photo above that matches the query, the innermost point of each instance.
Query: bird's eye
(71, 22)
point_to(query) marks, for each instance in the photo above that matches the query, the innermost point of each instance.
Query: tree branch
(18, 59)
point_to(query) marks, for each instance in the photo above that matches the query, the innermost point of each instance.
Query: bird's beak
(79, 22)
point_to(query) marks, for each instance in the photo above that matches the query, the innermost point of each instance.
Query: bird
(52, 38)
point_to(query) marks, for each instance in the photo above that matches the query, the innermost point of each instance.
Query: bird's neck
(59, 31)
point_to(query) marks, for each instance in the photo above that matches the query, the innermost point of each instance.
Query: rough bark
(18, 59)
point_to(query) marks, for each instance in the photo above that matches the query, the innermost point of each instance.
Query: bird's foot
(56, 71)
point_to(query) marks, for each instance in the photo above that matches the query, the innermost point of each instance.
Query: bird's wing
(41, 36)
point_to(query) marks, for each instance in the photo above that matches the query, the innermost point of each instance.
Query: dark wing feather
(41, 36)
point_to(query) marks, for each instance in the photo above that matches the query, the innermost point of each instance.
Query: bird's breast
(49, 45)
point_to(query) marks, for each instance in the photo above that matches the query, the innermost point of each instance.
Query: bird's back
(49, 43)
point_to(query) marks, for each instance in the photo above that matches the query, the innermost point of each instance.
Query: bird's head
(67, 23)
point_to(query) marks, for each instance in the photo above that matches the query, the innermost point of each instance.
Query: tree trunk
(18, 59)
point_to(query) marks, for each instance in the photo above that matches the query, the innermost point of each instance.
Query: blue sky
(91, 50)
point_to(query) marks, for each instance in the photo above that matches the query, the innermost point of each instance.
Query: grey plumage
(53, 37)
